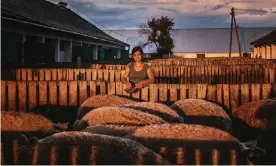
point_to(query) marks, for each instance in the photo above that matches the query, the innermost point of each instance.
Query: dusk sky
(118, 14)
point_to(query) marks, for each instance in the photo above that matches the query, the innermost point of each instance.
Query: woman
(139, 74)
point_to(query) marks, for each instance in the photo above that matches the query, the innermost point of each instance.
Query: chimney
(62, 4)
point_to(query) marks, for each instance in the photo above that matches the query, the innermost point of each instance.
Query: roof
(267, 39)
(197, 40)
(50, 15)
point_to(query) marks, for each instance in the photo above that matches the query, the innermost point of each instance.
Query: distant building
(265, 47)
(197, 43)
(38, 31)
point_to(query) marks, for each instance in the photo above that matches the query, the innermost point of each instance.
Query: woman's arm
(125, 75)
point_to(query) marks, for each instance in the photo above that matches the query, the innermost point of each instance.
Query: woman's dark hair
(137, 48)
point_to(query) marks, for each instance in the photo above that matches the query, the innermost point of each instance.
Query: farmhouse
(265, 47)
(41, 32)
(197, 43)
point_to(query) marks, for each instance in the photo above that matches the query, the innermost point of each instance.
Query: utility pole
(233, 19)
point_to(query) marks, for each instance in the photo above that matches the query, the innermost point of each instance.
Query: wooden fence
(62, 74)
(211, 61)
(25, 95)
(215, 74)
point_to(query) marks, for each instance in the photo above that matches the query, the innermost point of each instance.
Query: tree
(157, 31)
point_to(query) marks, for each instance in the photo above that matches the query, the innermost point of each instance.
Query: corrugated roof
(51, 15)
(267, 39)
(198, 40)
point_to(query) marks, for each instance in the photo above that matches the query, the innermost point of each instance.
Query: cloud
(188, 13)
(255, 18)
(252, 12)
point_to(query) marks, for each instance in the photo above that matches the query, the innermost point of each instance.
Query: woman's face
(137, 56)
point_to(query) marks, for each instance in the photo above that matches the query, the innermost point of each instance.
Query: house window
(200, 55)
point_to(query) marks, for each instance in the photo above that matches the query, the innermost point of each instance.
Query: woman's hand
(139, 85)
(128, 85)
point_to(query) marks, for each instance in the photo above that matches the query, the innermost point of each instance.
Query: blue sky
(118, 14)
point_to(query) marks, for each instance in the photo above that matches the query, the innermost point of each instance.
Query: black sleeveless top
(137, 76)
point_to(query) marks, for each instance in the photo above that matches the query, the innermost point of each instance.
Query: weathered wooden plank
(201, 91)
(63, 93)
(212, 92)
(76, 74)
(65, 74)
(119, 88)
(176, 72)
(238, 74)
(102, 88)
(82, 75)
(59, 74)
(111, 75)
(244, 93)
(153, 92)
(266, 89)
(29, 74)
(83, 91)
(3, 95)
(209, 74)
(255, 89)
(88, 74)
(42, 92)
(41, 75)
(234, 96)
(22, 95)
(186, 75)
(162, 71)
(260, 75)
(124, 93)
(173, 91)
(118, 74)
(193, 75)
(70, 74)
(250, 72)
(189, 75)
(100, 75)
(145, 94)
(32, 94)
(226, 97)
(234, 80)
(105, 75)
(219, 93)
(52, 92)
(54, 74)
(111, 88)
(202, 81)
(94, 74)
(18, 74)
(272, 75)
(73, 93)
(183, 89)
(266, 75)
(192, 91)
(92, 85)
(163, 92)
(11, 95)
(23, 74)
